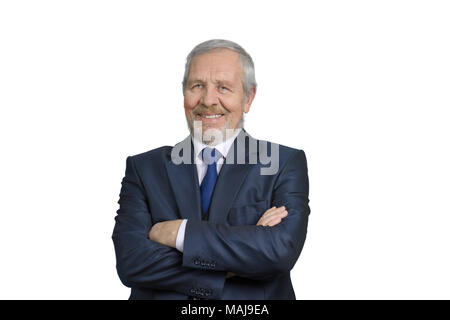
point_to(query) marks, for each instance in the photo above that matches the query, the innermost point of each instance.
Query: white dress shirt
(202, 167)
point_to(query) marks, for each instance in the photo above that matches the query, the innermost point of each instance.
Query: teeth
(211, 116)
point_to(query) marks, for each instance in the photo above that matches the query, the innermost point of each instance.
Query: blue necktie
(210, 157)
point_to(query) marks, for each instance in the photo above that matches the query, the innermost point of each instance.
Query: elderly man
(202, 220)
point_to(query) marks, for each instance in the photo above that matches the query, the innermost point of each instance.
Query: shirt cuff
(180, 236)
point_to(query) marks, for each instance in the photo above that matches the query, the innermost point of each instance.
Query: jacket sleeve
(256, 252)
(142, 262)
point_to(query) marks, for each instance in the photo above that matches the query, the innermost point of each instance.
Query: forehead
(223, 63)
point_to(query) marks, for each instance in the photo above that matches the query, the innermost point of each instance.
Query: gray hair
(248, 81)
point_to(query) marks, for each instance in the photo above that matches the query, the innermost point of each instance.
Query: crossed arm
(147, 259)
(144, 263)
(165, 232)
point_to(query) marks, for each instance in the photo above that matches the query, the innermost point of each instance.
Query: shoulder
(285, 153)
(153, 156)
(277, 158)
(291, 152)
(264, 146)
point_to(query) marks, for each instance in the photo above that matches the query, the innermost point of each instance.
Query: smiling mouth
(211, 116)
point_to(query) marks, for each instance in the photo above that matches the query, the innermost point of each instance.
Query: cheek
(233, 105)
(190, 103)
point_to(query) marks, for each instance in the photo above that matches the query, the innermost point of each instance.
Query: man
(215, 225)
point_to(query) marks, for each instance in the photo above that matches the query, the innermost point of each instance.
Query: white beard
(213, 136)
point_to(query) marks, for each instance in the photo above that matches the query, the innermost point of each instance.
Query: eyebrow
(195, 80)
(226, 82)
(223, 81)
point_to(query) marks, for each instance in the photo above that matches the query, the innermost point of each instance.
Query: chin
(215, 134)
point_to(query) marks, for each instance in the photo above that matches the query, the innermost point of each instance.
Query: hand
(272, 216)
(165, 232)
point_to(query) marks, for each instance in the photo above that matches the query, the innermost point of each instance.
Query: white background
(361, 86)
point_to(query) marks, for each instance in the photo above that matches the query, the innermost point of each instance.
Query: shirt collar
(223, 147)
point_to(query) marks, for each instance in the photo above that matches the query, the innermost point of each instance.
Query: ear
(249, 100)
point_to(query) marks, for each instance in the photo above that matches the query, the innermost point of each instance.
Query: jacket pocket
(248, 214)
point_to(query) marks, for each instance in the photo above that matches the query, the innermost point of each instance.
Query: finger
(266, 214)
(276, 219)
(269, 213)
(266, 219)
(274, 212)
(270, 210)
(274, 222)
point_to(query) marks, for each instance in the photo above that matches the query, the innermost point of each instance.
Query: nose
(210, 97)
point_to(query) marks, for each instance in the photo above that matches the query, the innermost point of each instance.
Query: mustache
(203, 109)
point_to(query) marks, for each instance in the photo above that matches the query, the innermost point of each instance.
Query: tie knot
(210, 155)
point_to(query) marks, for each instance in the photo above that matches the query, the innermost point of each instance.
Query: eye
(197, 85)
(223, 88)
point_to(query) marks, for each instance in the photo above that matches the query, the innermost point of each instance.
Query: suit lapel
(231, 176)
(184, 181)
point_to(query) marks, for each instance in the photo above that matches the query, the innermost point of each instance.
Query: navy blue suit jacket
(155, 189)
